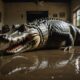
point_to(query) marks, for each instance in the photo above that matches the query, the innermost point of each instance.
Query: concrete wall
(2, 12)
(13, 11)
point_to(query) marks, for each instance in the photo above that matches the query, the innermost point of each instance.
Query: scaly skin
(48, 33)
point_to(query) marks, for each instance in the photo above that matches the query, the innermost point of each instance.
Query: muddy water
(40, 65)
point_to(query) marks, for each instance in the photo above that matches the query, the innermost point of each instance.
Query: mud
(41, 65)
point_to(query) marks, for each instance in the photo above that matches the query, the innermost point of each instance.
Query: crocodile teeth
(16, 49)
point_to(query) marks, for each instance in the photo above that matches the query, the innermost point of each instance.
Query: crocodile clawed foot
(69, 49)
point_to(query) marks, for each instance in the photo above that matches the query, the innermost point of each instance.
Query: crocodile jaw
(23, 44)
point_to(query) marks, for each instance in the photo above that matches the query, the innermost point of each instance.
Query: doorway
(33, 15)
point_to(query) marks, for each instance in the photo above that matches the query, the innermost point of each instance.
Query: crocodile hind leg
(69, 43)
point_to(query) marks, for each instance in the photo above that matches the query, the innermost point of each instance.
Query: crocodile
(40, 34)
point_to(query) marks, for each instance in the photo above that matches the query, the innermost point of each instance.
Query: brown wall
(2, 12)
(75, 4)
(13, 11)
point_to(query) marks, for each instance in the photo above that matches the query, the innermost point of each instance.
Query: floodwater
(41, 65)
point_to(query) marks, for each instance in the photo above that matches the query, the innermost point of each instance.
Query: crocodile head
(23, 38)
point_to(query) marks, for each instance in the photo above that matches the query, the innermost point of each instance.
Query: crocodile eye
(21, 28)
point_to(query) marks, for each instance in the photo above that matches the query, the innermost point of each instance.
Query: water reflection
(77, 65)
(61, 63)
(35, 65)
(45, 65)
(16, 70)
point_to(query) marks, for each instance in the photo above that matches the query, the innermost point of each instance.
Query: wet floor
(41, 65)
